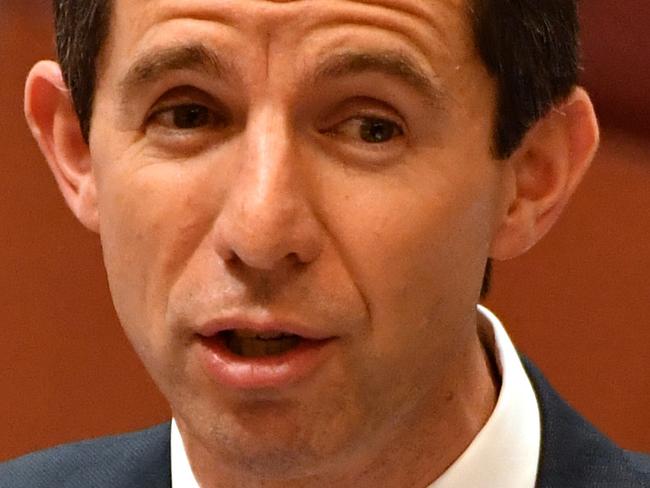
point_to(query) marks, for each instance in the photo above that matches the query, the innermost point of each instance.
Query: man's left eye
(372, 130)
(378, 130)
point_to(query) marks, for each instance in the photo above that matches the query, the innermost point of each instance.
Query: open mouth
(251, 344)
(248, 356)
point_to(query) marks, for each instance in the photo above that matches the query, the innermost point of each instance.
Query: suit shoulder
(93, 461)
(574, 453)
(640, 462)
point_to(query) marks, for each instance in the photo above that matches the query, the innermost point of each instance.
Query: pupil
(190, 116)
(376, 130)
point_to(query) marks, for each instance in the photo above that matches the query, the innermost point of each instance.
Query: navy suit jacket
(573, 455)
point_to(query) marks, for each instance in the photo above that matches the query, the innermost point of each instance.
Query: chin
(276, 440)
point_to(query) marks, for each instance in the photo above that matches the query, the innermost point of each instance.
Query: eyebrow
(392, 64)
(155, 64)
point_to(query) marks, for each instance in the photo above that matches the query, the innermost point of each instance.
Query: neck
(437, 436)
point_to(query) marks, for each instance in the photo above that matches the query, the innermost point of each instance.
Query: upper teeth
(252, 334)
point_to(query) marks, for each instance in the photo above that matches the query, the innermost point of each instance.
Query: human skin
(273, 208)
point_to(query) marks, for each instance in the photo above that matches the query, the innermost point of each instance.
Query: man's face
(320, 168)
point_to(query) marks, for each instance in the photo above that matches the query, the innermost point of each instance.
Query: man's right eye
(185, 117)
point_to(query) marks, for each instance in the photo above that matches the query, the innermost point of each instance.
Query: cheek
(152, 220)
(417, 249)
(417, 254)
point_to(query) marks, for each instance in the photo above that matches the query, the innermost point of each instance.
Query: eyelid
(375, 116)
(185, 95)
(360, 107)
(171, 106)
(362, 117)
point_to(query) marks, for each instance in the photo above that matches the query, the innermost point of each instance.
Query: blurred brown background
(577, 304)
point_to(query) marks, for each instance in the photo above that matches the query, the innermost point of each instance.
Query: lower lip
(275, 371)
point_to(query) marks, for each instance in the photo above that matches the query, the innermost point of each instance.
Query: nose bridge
(267, 190)
(267, 216)
(268, 166)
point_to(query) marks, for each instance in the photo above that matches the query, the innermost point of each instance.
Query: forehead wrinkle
(426, 23)
(437, 15)
(393, 64)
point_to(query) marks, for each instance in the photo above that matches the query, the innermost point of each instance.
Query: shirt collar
(505, 453)
(182, 475)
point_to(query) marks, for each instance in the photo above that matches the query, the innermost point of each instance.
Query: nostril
(294, 258)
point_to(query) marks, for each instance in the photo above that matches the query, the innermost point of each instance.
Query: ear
(544, 172)
(52, 119)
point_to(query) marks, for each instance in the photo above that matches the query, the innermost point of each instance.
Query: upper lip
(215, 326)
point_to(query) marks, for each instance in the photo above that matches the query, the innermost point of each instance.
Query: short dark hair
(81, 28)
(530, 48)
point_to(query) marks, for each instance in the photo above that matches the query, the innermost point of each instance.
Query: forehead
(432, 28)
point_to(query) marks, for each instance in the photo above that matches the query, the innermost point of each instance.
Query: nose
(267, 220)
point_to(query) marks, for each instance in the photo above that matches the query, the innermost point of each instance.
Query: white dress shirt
(505, 452)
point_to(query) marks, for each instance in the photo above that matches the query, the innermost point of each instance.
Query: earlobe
(546, 170)
(52, 119)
